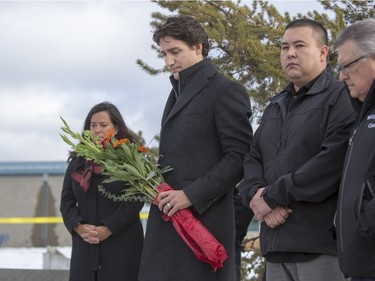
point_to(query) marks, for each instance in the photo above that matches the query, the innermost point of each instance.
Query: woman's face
(101, 125)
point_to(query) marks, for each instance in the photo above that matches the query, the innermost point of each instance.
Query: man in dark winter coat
(205, 134)
(292, 172)
(355, 218)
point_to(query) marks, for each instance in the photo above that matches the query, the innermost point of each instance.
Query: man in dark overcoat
(205, 133)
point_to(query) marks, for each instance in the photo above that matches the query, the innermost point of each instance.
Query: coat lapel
(168, 107)
(202, 73)
(192, 89)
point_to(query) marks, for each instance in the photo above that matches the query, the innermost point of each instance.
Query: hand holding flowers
(143, 179)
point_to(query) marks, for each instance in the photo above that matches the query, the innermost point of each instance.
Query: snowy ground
(32, 258)
(26, 258)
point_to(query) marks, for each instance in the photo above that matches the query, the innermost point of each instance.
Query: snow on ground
(32, 258)
(26, 258)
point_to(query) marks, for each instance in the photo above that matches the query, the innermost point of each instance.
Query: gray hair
(362, 33)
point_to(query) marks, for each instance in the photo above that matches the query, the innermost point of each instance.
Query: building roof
(33, 168)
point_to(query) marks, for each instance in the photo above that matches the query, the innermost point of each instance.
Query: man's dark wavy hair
(184, 28)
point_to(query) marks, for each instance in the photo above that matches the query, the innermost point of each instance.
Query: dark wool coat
(117, 257)
(298, 154)
(355, 218)
(204, 137)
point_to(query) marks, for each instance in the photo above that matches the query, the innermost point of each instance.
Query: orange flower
(119, 142)
(110, 134)
(142, 149)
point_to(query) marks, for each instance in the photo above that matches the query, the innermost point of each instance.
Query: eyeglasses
(345, 69)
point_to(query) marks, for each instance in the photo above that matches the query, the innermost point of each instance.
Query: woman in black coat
(107, 236)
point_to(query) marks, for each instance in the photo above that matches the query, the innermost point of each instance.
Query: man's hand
(172, 201)
(259, 206)
(277, 216)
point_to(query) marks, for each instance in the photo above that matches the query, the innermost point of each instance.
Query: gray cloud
(60, 59)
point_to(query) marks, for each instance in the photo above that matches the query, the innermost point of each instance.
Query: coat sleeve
(253, 171)
(367, 220)
(242, 216)
(366, 209)
(68, 204)
(125, 214)
(319, 177)
(232, 113)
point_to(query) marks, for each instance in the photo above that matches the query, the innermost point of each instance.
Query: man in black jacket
(292, 172)
(356, 206)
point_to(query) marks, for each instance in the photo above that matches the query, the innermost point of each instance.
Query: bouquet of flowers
(132, 164)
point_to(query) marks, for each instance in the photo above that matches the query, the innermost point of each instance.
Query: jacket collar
(318, 87)
(202, 68)
(368, 102)
(192, 80)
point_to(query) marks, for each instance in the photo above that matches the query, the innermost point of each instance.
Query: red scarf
(83, 173)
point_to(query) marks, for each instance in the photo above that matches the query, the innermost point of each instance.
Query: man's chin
(294, 75)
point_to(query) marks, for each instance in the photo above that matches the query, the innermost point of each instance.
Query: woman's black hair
(116, 118)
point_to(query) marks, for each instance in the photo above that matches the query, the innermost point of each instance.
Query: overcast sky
(60, 58)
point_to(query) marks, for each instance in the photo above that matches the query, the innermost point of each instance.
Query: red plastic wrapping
(203, 244)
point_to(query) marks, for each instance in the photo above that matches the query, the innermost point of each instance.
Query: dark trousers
(238, 263)
(323, 268)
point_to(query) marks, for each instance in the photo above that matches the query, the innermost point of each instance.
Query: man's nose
(343, 76)
(291, 52)
(168, 60)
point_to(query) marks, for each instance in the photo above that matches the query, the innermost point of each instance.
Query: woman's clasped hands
(92, 234)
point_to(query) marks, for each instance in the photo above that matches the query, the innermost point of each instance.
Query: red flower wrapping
(203, 244)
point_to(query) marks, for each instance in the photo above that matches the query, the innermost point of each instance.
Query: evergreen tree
(245, 38)
(352, 11)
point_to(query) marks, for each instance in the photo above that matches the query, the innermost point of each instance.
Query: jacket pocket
(365, 210)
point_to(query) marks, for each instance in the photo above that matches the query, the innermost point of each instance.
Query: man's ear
(324, 51)
(198, 48)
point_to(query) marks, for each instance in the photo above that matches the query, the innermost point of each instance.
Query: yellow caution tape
(38, 220)
(143, 216)
(20, 220)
